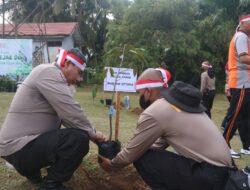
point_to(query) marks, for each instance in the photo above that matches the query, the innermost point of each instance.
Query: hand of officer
(227, 92)
(105, 163)
(99, 137)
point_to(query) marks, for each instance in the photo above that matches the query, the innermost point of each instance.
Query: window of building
(54, 43)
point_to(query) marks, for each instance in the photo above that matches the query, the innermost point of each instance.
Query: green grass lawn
(98, 115)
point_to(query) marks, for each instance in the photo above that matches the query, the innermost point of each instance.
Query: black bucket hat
(184, 96)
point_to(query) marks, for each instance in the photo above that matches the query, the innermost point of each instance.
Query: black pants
(164, 170)
(238, 116)
(62, 150)
(207, 101)
(224, 121)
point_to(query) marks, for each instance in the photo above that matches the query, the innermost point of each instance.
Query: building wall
(40, 51)
(68, 42)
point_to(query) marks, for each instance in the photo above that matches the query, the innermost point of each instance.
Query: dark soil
(84, 178)
(126, 179)
(137, 110)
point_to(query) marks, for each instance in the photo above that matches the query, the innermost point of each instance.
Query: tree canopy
(174, 34)
(179, 34)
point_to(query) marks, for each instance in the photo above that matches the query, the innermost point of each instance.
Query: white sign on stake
(119, 79)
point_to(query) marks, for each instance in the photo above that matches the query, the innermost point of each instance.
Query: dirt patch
(84, 178)
(126, 179)
(137, 110)
(121, 105)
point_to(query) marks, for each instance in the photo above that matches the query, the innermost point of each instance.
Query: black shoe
(247, 170)
(49, 184)
(35, 178)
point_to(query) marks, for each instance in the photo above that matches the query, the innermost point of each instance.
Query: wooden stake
(117, 118)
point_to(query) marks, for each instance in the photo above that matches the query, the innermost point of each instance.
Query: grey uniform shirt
(207, 82)
(239, 73)
(191, 135)
(41, 104)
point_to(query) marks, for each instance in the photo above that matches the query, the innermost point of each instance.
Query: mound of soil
(137, 110)
(126, 179)
(83, 179)
(121, 105)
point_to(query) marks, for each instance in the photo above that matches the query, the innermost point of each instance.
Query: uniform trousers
(238, 116)
(207, 101)
(61, 151)
(164, 170)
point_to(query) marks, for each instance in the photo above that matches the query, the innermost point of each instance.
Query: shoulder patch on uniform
(175, 108)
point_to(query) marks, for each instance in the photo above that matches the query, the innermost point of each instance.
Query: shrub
(7, 84)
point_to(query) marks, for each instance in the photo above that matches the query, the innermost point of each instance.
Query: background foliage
(177, 35)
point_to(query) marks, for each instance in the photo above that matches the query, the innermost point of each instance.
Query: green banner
(15, 57)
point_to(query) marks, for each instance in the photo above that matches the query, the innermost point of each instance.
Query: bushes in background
(7, 84)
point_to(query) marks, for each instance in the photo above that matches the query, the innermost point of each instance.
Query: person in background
(228, 95)
(31, 137)
(207, 86)
(174, 117)
(239, 85)
(229, 114)
(227, 90)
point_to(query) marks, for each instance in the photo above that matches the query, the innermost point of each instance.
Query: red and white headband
(245, 18)
(206, 65)
(148, 83)
(64, 55)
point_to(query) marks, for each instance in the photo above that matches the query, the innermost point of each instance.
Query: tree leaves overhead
(160, 28)
(58, 6)
(176, 34)
(91, 15)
